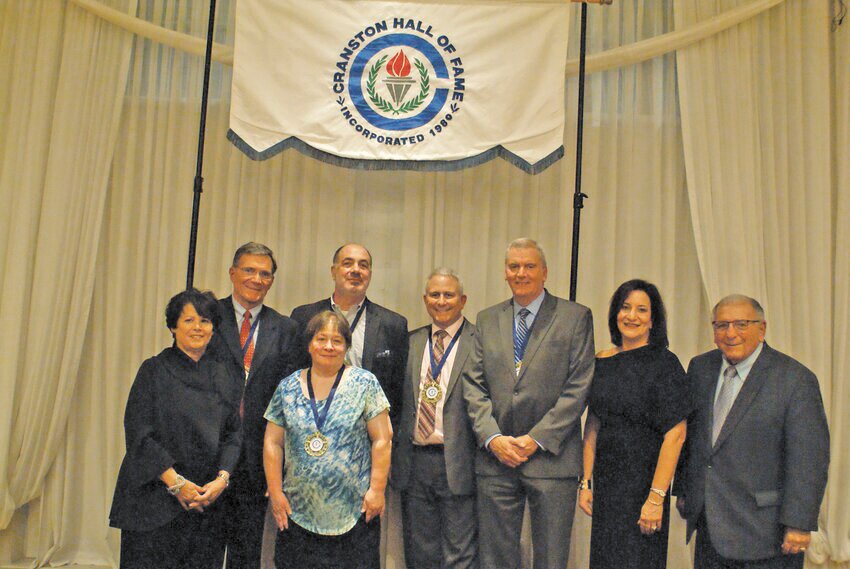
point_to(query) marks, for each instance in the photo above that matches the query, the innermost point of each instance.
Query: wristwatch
(585, 484)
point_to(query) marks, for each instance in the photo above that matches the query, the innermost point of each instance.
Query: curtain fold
(73, 150)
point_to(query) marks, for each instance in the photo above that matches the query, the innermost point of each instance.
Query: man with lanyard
(433, 459)
(526, 389)
(379, 336)
(256, 344)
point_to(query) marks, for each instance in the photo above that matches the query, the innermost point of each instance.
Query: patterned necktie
(520, 337)
(724, 402)
(428, 410)
(243, 337)
(249, 355)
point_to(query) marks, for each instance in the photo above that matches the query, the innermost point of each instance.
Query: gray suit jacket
(457, 430)
(768, 469)
(548, 398)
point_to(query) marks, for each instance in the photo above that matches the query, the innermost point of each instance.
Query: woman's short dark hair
(204, 302)
(322, 319)
(658, 332)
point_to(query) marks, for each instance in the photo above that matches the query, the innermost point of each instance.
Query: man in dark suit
(434, 449)
(256, 344)
(756, 457)
(378, 335)
(526, 390)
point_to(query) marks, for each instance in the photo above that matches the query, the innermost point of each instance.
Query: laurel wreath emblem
(406, 107)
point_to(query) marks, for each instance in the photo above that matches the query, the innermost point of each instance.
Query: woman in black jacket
(183, 439)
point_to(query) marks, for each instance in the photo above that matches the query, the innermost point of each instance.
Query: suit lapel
(462, 349)
(230, 330)
(753, 384)
(709, 387)
(373, 323)
(267, 330)
(542, 323)
(506, 331)
(417, 344)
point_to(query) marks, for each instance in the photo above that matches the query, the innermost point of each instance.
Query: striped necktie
(427, 409)
(520, 337)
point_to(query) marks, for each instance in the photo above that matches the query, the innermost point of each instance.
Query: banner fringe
(413, 165)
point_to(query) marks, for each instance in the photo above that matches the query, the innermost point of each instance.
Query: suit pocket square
(767, 498)
(384, 354)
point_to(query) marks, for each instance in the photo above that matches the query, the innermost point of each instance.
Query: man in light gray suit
(756, 458)
(526, 390)
(434, 450)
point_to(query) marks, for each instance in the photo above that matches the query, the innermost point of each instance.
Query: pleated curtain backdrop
(716, 168)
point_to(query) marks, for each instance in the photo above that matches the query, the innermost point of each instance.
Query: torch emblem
(398, 83)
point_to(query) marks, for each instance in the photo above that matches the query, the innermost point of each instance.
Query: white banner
(400, 85)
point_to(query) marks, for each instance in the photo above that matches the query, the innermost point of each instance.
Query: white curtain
(66, 71)
(115, 250)
(756, 121)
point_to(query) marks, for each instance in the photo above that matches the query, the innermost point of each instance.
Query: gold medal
(432, 392)
(316, 444)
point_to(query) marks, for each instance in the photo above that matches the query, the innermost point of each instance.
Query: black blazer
(384, 347)
(768, 469)
(273, 360)
(179, 413)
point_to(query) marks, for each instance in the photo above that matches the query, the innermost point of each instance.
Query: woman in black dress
(183, 438)
(634, 432)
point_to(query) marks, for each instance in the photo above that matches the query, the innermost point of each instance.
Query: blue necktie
(520, 336)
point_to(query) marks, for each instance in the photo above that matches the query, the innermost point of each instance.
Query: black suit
(767, 470)
(272, 361)
(384, 347)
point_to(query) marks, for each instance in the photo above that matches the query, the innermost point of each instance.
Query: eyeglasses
(250, 272)
(740, 325)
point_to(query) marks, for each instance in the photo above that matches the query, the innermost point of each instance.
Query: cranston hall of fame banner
(401, 85)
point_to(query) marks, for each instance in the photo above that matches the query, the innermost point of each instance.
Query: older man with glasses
(757, 452)
(255, 343)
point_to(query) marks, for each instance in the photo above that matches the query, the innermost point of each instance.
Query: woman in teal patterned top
(331, 421)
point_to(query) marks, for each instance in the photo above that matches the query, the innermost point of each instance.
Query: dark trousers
(192, 540)
(501, 505)
(439, 527)
(706, 557)
(244, 519)
(297, 548)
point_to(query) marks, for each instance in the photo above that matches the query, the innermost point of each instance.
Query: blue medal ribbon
(436, 368)
(320, 418)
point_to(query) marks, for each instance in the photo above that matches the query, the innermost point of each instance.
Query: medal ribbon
(320, 418)
(436, 368)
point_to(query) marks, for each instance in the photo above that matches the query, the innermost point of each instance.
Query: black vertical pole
(199, 161)
(578, 196)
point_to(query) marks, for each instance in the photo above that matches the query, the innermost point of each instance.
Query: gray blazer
(548, 398)
(768, 468)
(457, 430)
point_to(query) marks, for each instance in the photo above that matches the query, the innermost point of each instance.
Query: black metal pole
(199, 161)
(578, 196)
